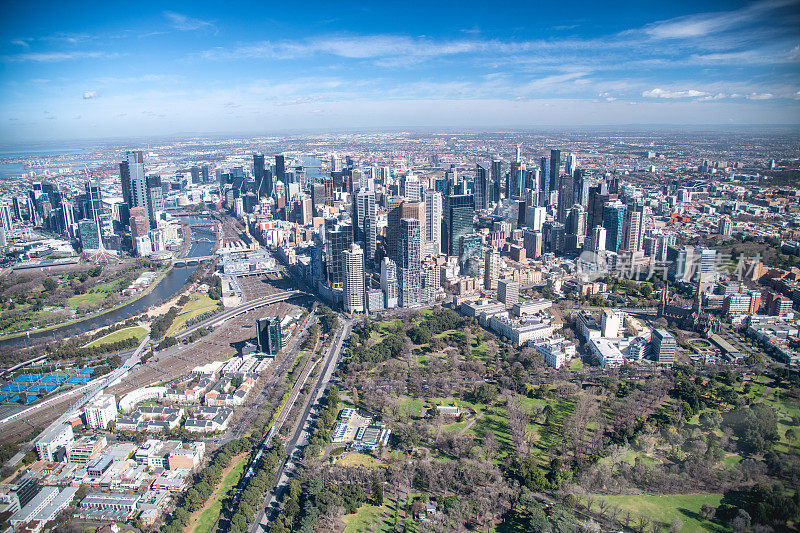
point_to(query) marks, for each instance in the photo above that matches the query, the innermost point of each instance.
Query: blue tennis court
(82, 380)
(87, 370)
(26, 378)
(42, 389)
(15, 387)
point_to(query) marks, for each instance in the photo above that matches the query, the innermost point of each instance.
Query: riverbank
(55, 327)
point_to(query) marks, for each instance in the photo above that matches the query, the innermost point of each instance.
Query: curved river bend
(166, 288)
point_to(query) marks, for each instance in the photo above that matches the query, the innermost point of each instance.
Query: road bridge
(190, 261)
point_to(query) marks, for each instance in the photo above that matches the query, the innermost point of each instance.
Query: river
(166, 288)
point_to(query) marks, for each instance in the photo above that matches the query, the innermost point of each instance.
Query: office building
(565, 201)
(137, 182)
(599, 239)
(614, 222)
(544, 182)
(416, 210)
(741, 304)
(580, 187)
(408, 264)
(155, 199)
(516, 179)
(280, 174)
(389, 284)
(634, 229)
(90, 238)
(269, 335)
(576, 221)
(508, 292)
(366, 221)
(725, 226)
(555, 168)
(263, 185)
(101, 411)
(353, 262)
(497, 180)
(611, 322)
(664, 346)
(532, 241)
(53, 444)
(491, 269)
(394, 213)
(433, 222)
(535, 217)
(481, 187)
(680, 264)
(460, 209)
(338, 238)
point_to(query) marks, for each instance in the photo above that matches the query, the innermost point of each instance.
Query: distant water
(312, 166)
(39, 151)
(14, 168)
(11, 170)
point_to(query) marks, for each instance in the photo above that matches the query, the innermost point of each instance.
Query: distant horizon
(105, 71)
(610, 128)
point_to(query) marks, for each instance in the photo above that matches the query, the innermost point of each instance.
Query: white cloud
(90, 95)
(759, 96)
(666, 93)
(21, 42)
(703, 24)
(51, 57)
(185, 23)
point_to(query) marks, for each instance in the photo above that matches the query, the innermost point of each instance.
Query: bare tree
(518, 420)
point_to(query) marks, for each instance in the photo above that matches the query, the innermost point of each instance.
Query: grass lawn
(137, 332)
(87, 298)
(211, 511)
(666, 508)
(359, 459)
(388, 326)
(364, 519)
(576, 365)
(412, 405)
(198, 304)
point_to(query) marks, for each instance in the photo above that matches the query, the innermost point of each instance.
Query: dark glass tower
(460, 209)
(555, 168)
(580, 188)
(497, 180)
(481, 187)
(269, 335)
(263, 183)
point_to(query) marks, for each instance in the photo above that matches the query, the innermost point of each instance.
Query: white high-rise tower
(353, 263)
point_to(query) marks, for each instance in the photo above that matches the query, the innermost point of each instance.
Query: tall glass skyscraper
(338, 238)
(613, 221)
(481, 187)
(408, 266)
(460, 209)
(544, 182)
(366, 221)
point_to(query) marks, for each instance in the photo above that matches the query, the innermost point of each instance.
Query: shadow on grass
(711, 526)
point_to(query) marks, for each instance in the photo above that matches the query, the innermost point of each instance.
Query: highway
(298, 438)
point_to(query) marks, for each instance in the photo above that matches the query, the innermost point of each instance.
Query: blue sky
(151, 68)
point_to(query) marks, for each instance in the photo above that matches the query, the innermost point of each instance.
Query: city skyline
(100, 72)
